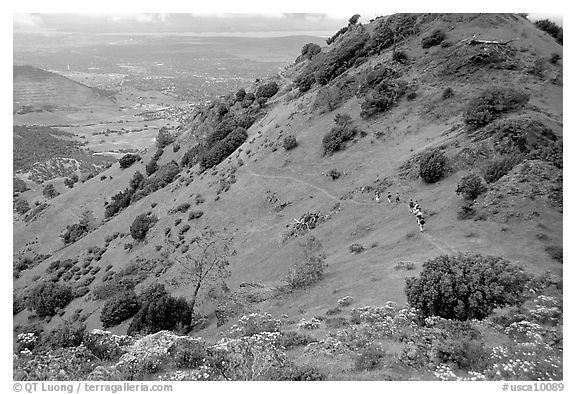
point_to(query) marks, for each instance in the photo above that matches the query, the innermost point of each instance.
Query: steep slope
(272, 186)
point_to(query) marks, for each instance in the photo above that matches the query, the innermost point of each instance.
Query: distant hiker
(416, 206)
(411, 205)
(418, 214)
(397, 197)
(389, 197)
(377, 197)
(421, 222)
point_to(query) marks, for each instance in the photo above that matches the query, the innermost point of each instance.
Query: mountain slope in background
(255, 195)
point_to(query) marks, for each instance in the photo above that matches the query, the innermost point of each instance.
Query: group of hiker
(413, 205)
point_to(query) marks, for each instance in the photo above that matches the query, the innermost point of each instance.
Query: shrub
(383, 98)
(141, 224)
(128, 159)
(18, 185)
(466, 212)
(465, 286)
(310, 50)
(434, 39)
(334, 174)
(369, 358)
(267, 90)
(471, 186)
(137, 180)
(490, 104)
(164, 138)
(310, 267)
(224, 148)
(119, 308)
(188, 354)
(551, 28)
(292, 339)
(356, 248)
(337, 137)
(498, 167)
(49, 191)
(433, 166)
(240, 94)
(151, 167)
(164, 313)
(305, 81)
(289, 142)
(465, 353)
(554, 58)
(447, 93)
(21, 206)
(67, 334)
(195, 215)
(293, 373)
(555, 252)
(47, 298)
(399, 56)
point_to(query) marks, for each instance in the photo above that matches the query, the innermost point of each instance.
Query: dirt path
(438, 244)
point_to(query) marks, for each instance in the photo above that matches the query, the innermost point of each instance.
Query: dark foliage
(191, 156)
(141, 224)
(381, 99)
(337, 137)
(119, 201)
(47, 298)
(18, 185)
(471, 186)
(187, 354)
(310, 50)
(555, 58)
(78, 230)
(291, 339)
(434, 39)
(21, 206)
(151, 167)
(551, 28)
(240, 94)
(336, 35)
(294, 373)
(222, 149)
(137, 180)
(164, 138)
(466, 212)
(128, 159)
(68, 334)
(164, 313)
(498, 167)
(556, 252)
(447, 93)
(490, 104)
(49, 191)
(267, 90)
(399, 57)
(195, 215)
(433, 166)
(466, 286)
(353, 19)
(119, 308)
(289, 142)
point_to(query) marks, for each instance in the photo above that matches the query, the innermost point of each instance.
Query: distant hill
(36, 90)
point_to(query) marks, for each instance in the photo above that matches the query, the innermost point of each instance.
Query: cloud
(27, 22)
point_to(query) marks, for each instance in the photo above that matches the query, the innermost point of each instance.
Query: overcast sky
(193, 23)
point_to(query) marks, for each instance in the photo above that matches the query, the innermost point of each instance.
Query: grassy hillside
(504, 102)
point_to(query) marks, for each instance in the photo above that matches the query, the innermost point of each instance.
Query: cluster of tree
(140, 187)
(383, 97)
(466, 287)
(164, 138)
(71, 180)
(141, 224)
(490, 104)
(551, 28)
(337, 137)
(49, 191)
(21, 206)
(18, 185)
(78, 230)
(47, 298)
(434, 39)
(128, 159)
(310, 50)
